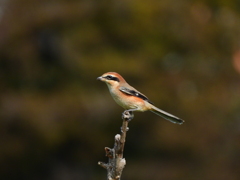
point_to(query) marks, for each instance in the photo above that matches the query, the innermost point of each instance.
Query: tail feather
(166, 115)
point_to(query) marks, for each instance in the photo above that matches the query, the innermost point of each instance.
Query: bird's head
(111, 78)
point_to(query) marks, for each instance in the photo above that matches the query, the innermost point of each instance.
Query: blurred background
(56, 119)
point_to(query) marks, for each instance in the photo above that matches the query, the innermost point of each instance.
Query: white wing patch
(134, 93)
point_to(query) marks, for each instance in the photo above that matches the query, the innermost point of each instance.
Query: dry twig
(116, 162)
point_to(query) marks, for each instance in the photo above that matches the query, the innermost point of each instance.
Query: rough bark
(116, 162)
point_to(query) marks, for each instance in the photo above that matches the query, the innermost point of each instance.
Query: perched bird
(131, 99)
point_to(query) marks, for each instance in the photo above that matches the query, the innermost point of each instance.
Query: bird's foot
(127, 115)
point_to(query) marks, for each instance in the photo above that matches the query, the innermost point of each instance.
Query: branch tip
(109, 152)
(102, 164)
(116, 162)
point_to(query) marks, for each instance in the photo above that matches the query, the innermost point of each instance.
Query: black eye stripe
(113, 78)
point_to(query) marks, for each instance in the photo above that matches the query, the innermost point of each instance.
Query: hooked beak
(100, 78)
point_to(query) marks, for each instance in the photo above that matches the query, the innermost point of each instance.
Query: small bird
(131, 99)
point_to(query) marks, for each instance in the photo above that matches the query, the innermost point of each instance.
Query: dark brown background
(56, 119)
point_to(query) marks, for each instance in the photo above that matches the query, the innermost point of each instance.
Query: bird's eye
(112, 78)
(109, 77)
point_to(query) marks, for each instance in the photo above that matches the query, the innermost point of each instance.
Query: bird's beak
(100, 78)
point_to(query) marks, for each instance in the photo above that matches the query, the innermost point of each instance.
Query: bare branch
(116, 162)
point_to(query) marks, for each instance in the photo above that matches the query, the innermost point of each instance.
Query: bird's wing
(135, 93)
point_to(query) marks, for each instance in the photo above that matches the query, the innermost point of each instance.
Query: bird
(131, 99)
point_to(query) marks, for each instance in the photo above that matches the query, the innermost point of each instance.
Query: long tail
(166, 115)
